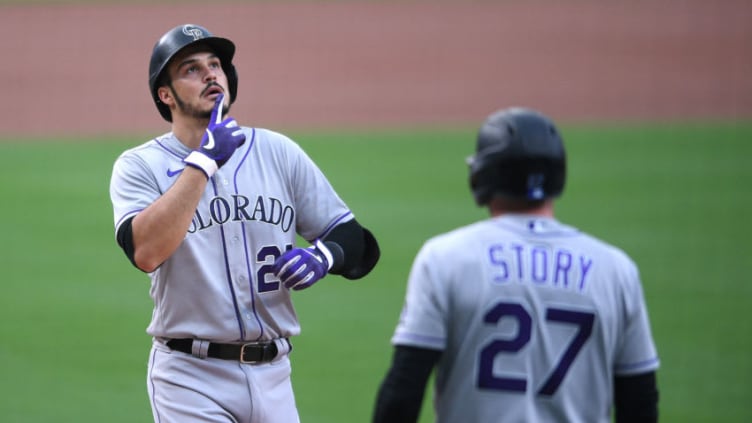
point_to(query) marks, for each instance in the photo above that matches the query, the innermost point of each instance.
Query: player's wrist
(202, 162)
(325, 252)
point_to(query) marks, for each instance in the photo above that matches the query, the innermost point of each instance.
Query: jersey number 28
(486, 377)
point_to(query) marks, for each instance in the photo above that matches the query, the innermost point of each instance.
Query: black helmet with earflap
(179, 38)
(519, 155)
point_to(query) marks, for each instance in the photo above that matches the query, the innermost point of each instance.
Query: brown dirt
(82, 69)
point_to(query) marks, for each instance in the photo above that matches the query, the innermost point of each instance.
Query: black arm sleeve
(636, 398)
(125, 239)
(360, 250)
(400, 396)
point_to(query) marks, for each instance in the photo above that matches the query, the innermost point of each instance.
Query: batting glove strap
(203, 162)
(328, 259)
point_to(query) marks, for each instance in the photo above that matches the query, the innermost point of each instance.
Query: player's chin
(205, 114)
(212, 98)
(205, 108)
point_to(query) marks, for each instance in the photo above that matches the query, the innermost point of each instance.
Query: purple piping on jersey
(245, 243)
(433, 340)
(331, 226)
(633, 366)
(167, 149)
(228, 273)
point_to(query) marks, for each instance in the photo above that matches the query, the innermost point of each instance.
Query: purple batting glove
(300, 268)
(221, 139)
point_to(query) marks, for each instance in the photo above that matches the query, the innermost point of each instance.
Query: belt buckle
(242, 354)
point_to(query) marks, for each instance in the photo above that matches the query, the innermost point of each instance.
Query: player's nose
(210, 75)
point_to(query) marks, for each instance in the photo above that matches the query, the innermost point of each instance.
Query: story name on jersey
(241, 208)
(540, 265)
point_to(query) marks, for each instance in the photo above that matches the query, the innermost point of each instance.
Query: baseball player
(211, 211)
(524, 318)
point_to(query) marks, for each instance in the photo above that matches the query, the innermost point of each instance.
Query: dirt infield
(82, 69)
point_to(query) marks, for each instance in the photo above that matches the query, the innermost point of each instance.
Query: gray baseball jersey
(217, 285)
(534, 319)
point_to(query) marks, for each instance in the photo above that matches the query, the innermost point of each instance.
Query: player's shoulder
(266, 134)
(609, 256)
(454, 240)
(265, 138)
(134, 151)
(597, 243)
(526, 229)
(164, 144)
(151, 154)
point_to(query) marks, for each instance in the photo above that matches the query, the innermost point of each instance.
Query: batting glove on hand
(221, 139)
(300, 268)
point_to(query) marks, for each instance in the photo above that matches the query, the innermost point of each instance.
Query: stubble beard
(192, 111)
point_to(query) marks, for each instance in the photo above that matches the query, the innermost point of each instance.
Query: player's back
(535, 314)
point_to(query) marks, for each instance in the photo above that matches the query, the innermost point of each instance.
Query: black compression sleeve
(400, 396)
(359, 247)
(636, 398)
(125, 239)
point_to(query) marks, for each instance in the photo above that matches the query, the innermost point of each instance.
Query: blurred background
(78, 68)
(654, 99)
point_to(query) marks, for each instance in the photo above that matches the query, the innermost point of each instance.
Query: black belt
(255, 352)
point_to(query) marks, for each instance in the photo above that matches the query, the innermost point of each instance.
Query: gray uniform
(217, 284)
(534, 319)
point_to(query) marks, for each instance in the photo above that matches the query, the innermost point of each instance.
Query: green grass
(675, 197)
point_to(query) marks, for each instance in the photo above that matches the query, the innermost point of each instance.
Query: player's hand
(300, 268)
(221, 139)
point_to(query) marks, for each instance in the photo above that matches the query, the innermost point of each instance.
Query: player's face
(196, 79)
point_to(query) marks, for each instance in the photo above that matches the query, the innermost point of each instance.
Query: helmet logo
(535, 189)
(194, 32)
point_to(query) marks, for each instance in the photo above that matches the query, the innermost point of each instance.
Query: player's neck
(189, 132)
(501, 206)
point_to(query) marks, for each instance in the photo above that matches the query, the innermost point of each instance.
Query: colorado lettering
(240, 208)
(540, 265)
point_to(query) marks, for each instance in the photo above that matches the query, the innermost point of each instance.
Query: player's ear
(164, 93)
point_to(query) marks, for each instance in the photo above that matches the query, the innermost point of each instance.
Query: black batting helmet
(519, 155)
(177, 39)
